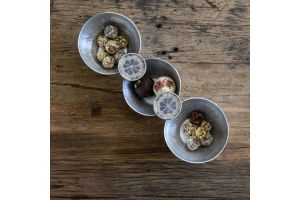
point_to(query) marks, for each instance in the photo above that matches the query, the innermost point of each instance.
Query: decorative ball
(102, 40)
(189, 128)
(206, 125)
(197, 118)
(101, 54)
(111, 47)
(119, 54)
(200, 134)
(164, 84)
(143, 87)
(192, 144)
(108, 62)
(121, 41)
(111, 31)
(207, 142)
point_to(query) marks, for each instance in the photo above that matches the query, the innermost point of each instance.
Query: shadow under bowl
(87, 40)
(220, 131)
(155, 68)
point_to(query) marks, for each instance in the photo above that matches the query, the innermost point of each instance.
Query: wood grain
(101, 149)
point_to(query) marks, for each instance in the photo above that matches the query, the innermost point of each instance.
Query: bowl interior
(214, 115)
(87, 41)
(155, 69)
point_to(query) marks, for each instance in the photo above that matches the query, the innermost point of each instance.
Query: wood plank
(101, 149)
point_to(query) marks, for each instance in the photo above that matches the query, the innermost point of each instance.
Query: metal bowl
(87, 40)
(155, 68)
(220, 131)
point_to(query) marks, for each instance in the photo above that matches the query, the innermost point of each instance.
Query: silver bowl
(155, 68)
(87, 40)
(220, 131)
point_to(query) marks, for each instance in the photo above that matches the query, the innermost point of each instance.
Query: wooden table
(101, 149)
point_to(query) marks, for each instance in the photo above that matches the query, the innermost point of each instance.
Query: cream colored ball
(108, 62)
(101, 54)
(102, 40)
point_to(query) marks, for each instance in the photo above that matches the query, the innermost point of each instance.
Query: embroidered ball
(108, 62)
(111, 31)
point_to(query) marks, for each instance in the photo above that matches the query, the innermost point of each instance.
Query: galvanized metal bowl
(87, 40)
(220, 131)
(155, 68)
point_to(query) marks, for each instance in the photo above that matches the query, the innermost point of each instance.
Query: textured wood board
(101, 149)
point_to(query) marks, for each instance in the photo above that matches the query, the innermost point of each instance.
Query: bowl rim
(85, 24)
(227, 135)
(179, 90)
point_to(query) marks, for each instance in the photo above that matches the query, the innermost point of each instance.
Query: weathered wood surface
(101, 149)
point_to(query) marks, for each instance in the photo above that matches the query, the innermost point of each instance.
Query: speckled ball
(111, 47)
(192, 144)
(101, 54)
(108, 62)
(111, 31)
(206, 125)
(119, 54)
(200, 134)
(163, 84)
(121, 41)
(207, 142)
(102, 40)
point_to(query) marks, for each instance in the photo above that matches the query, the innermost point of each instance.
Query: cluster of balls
(111, 47)
(146, 86)
(198, 131)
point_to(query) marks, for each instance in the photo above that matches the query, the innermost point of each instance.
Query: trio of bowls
(155, 67)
